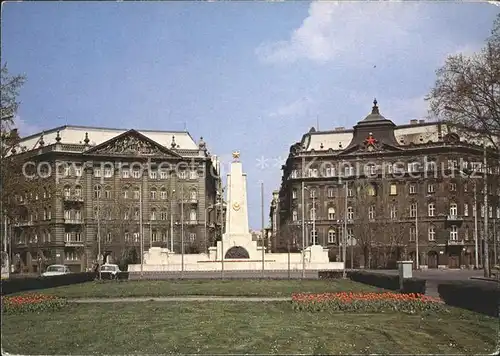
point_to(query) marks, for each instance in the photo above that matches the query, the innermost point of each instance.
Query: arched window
(431, 209)
(163, 214)
(136, 213)
(137, 192)
(126, 193)
(153, 193)
(312, 193)
(193, 194)
(295, 215)
(314, 237)
(107, 193)
(97, 191)
(163, 193)
(78, 191)
(371, 190)
(332, 236)
(312, 214)
(453, 209)
(350, 213)
(67, 191)
(153, 214)
(192, 215)
(331, 213)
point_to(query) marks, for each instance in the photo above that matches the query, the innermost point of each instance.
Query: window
(78, 191)
(452, 164)
(453, 233)
(312, 214)
(394, 212)
(498, 212)
(153, 193)
(153, 214)
(163, 174)
(154, 236)
(126, 235)
(126, 215)
(163, 194)
(97, 191)
(332, 236)
(430, 188)
(350, 213)
(293, 174)
(108, 172)
(67, 214)
(331, 213)
(136, 173)
(164, 235)
(193, 174)
(78, 171)
(109, 237)
(413, 210)
(453, 209)
(350, 193)
(193, 194)
(330, 192)
(78, 236)
(163, 215)
(192, 215)
(453, 187)
(136, 214)
(67, 191)
(125, 193)
(312, 193)
(137, 192)
(348, 171)
(71, 256)
(466, 233)
(78, 215)
(182, 174)
(465, 187)
(413, 189)
(394, 189)
(482, 210)
(314, 237)
(413, 233)
(490, 211)
(137, 236)
(153, 174)
(432, 233)
(192, 237)
(294, 194)
(97, 172)
(371, 190)
(294, 215)
(48, 236)
(350, 236)
(107, 193)
(126, 173)
(44, 213)
(312, 172)
(67, 237)
(330, 171)
(466, 209)
(371, 212)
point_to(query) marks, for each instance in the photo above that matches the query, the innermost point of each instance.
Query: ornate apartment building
(397, 189)
(99, 186)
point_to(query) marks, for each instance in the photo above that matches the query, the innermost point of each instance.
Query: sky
(247, 76)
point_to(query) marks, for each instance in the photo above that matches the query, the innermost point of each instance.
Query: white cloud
(25, 128)
(334, 29)
(293, 109)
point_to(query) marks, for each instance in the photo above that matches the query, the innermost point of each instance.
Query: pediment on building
(374, 147)
(132, 143)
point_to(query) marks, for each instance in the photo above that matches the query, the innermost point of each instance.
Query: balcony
(73, 199)
(453, 218)
(73, 243)
(453, 242)
(192, 201)
(191, 222)
(73, 221)
(23, 223)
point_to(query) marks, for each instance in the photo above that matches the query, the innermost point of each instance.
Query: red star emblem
(370, 140)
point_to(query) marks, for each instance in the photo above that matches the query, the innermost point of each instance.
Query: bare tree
(467, 91)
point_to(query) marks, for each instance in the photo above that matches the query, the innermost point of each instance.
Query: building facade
(98, 189)
(389, 192)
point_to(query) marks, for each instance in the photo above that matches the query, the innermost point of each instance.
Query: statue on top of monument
(236, 156)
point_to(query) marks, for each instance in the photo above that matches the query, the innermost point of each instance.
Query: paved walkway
(181, 299)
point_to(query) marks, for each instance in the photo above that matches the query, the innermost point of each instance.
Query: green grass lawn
(245, 287)
(223, 328)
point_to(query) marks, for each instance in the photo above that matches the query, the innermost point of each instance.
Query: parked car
(110, 269)
(56, 270)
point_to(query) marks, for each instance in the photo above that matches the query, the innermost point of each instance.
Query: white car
(113, 270)
(56, 270)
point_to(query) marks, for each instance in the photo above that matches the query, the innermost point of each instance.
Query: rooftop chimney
(413, 122)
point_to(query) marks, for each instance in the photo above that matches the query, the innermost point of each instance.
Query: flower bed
(32, 303)
(366, 302)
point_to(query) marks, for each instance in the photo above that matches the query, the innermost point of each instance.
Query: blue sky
(248, 76)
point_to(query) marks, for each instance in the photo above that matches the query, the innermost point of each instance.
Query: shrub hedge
(330, 274)
(10, 286)
(391, 282)
(479, 297)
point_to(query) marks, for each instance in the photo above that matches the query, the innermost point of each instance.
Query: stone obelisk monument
(237, 237)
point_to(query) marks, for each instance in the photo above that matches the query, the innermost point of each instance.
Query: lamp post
(172, 222)
(182, 231)
(476, 242)
(303, 232)
(262, 222)
(141, 232)
(99, 234)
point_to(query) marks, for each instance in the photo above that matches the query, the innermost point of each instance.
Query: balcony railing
(454, 218)
(73, 221)
(73, 243)
(191, 222)
(455, 242)
(23, 223)
(73, 198)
